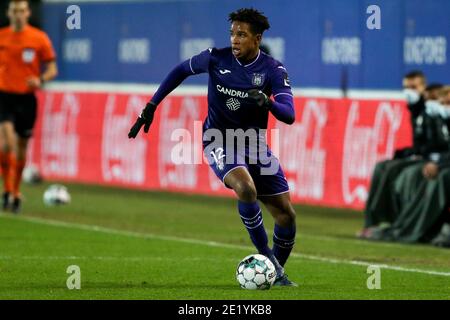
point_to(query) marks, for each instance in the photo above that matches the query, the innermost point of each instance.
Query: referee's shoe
(5, 201)
(16, 205)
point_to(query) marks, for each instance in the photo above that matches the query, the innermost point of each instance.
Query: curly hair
(257, 21)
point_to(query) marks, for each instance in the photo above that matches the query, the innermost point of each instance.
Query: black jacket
(444, 161)
(430, 133)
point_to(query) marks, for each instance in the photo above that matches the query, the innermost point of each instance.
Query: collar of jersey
(247, 65)
(25, 28)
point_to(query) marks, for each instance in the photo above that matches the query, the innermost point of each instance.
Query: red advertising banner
(328, 154)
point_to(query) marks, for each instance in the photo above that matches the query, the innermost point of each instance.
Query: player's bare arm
(50, 73)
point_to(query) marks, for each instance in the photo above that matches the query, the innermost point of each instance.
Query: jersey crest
(258, 79)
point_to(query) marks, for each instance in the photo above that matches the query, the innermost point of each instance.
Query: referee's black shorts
(21, 110)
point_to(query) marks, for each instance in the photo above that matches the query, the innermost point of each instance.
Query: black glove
(145, 119)
(260, 98)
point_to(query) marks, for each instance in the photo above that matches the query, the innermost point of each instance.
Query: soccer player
(241, 81)
(24, 50)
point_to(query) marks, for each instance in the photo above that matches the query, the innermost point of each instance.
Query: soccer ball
(56, 194)
(31, 175)
(256, 272)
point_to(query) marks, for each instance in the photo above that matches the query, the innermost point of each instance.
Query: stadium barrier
(328, 154)
(322, 43)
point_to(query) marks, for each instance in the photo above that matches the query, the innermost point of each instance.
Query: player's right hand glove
(145, 119)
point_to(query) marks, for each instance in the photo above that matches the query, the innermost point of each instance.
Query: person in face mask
(379, 206)
(420, 190)
(423, 104)
(414, 85)
(427, 128)
(427, 214)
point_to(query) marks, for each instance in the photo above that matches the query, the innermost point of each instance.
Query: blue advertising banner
(322, 43)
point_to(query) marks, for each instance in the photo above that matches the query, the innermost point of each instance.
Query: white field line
(217, 244)
(368, 243)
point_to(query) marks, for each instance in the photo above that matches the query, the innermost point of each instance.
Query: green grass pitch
(151, 245)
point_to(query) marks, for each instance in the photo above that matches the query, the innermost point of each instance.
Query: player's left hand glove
(260, 98)
(145, 119)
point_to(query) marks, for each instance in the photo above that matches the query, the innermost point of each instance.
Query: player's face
(416, 84)
(18, 13)
(244, 43)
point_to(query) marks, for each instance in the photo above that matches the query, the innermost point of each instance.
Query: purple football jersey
(229, 81)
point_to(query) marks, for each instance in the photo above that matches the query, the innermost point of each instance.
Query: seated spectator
(380, 207)
(422, 190)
